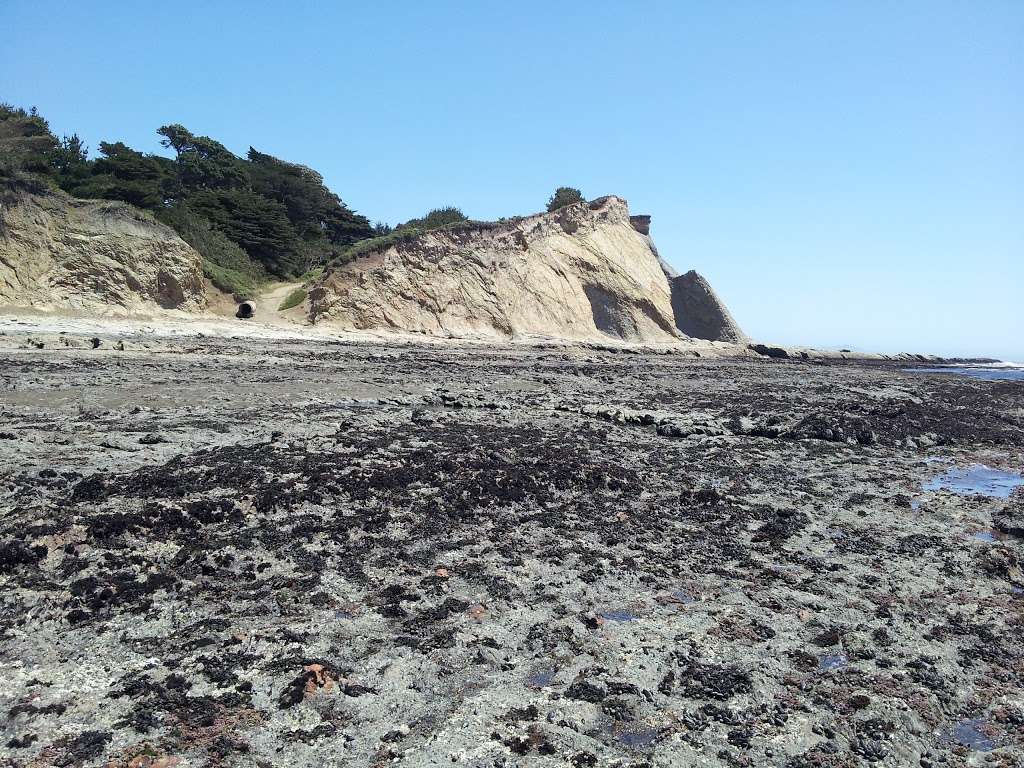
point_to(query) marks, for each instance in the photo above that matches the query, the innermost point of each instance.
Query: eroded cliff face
(700, 313)
(583, 272)
(58, 253)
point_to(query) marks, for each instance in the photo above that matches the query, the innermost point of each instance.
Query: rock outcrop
(699, 312)
(60, 253)
(584, 272)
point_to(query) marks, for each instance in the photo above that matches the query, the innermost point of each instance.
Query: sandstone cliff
(584, 272)
(59, 253)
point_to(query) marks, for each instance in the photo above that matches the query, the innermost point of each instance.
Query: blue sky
(846, 174)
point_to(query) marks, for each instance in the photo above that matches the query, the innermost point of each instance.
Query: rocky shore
(275, 552)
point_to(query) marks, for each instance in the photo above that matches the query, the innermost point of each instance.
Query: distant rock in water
(585, 272)
(61, 253)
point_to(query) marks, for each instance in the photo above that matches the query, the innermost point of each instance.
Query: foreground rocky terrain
(267, 552)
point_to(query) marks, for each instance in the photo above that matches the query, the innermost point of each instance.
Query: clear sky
(846, 174)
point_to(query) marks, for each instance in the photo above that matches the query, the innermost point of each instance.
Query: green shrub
(438, 218)
(372, 244)
(226, 265)
(564, 196)
(406, 232)
(311, 275)
(293, 299)
(238, 284)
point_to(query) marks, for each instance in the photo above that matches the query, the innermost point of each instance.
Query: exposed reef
(226, 552)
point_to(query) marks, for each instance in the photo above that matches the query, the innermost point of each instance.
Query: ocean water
(994, 372)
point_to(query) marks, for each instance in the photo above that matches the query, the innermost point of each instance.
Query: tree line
(250, 218)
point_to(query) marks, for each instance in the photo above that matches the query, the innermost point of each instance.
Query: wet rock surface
(228, 552)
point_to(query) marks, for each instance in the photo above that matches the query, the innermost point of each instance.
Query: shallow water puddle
(618, 616)
(976, 479)
(833, 661)
(990, 536)
(637, 738)
(541, 678)
(971, 734)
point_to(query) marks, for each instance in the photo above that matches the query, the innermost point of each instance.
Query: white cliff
(583, 272)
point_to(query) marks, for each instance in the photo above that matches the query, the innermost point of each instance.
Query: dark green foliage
(260, 226)
(437, 218)
(202, 162)
(121, 173)
(248, 218)
(564, 196)
(70, 159)
(316, 213)
(26, 144)
(226, 265)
